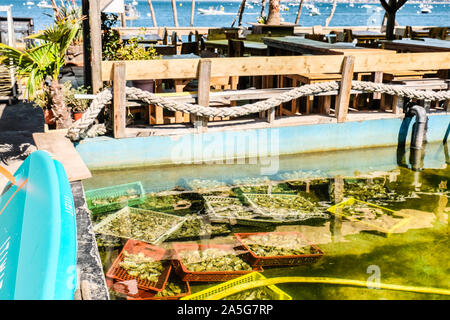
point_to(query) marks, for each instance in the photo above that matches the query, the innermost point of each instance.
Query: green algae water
(412, 251)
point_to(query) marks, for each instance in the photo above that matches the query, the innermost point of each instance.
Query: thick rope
(84, 127)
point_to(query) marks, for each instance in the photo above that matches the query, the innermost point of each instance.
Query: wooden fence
(119, 72)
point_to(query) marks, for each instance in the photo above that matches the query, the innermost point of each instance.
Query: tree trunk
(390, 25)
(62, 115)
(274, 12)
(327, 22)
(263, 7)
(299, 12)
(241, 13)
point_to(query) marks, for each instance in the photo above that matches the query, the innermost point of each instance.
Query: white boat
(28, 3)
(314, 12)
(366, 6)
(212, 11)
(130, 12)
(426, 10)
(44, 4)
(249, 6)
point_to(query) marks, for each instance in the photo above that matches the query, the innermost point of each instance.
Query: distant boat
(366, 6)
(44, 4)
(28, 3)
(212, 11)
(426, 9)
(130, 12)
(314, 12)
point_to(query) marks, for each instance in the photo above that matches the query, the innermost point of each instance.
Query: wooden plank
(343, 99)
(62, 149)
(119, 100)
(204, 85)
(280, 65)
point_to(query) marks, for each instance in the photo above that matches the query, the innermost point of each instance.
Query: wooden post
(343, 98)
(299, 12)
(377, 78)
(123, 20)
(204, 84)
(152, 12)
(96, 45)
(192, 13)
(174, 9)
(119, 99)
(87, 70)
(397, 105)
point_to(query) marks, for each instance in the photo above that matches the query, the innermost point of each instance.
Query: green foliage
(111, 39)
(262, 20)
(44, 59)
(115, 49)
(133, 51)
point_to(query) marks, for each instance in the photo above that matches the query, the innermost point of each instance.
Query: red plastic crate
(147, 295)
(117, 274)
(205, 276)
(289, 260)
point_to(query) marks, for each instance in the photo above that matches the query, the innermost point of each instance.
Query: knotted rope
(84, 127)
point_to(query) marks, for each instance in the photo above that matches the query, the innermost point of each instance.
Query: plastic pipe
(347, 282)
(420, 125)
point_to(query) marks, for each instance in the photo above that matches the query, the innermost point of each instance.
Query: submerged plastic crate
(255, 219)
(336, 210)
(215, 205)
(118, 277)
(287, 260)
(291, 214)
(147, 295)
(192, 276)
(128, 230)
(274, 292)
(134, 189)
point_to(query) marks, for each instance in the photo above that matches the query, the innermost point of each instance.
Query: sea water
(345, 15)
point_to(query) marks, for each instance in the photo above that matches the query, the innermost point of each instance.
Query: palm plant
(41, 64)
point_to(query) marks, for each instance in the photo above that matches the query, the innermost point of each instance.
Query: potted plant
(78, 106)
(40, 66)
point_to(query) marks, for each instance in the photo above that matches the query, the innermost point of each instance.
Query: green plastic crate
(154, 233)
(274, 292)
(134, 188)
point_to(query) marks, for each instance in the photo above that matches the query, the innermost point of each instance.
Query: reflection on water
(415, 252)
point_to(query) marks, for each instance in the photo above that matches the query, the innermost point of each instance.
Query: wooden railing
(205, 69)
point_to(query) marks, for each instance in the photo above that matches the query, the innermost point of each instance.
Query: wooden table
(251, 47)
(298, 45)
(367, 35)
(427, 45)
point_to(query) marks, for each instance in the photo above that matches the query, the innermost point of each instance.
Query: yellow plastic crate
(274, 291)
(352, 201)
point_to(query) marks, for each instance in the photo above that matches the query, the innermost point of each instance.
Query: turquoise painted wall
(261, 144)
